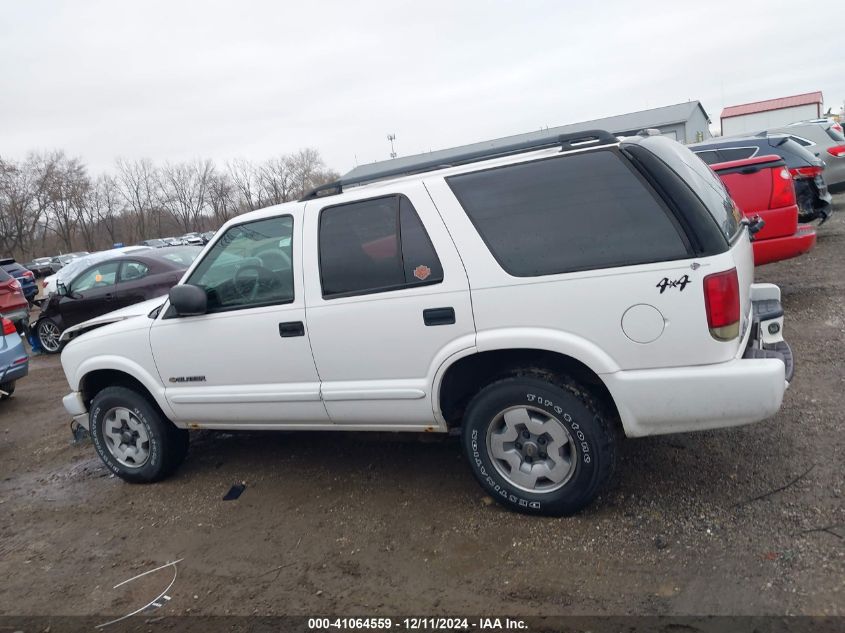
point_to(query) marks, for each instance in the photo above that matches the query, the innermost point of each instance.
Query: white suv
(541, 299)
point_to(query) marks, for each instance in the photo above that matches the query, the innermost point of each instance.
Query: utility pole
(391, 138)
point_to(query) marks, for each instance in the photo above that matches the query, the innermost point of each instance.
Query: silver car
(825, 140)
(14, 362)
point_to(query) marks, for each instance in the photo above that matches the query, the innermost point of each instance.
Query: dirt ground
(335, 523)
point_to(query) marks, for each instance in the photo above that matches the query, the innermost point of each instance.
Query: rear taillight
(836, 150)
(28, 274)
(805, 172)
(721, 300)
(783, 191)
(837, 127)
(16, 285)
(8, 327)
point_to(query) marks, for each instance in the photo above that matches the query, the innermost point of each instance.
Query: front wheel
(49, 335)
(133, 438)
(538, 447)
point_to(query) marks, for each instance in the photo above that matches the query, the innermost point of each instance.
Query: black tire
(9, 388)
(591, 450)
(167, 445)
(46, 342)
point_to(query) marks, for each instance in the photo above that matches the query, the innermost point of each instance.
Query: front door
(90, 294)
(247, 361)
(388, 302)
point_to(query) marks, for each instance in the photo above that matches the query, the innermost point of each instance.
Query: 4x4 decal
(680, 284)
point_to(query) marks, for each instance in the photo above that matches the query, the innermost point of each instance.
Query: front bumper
(74, 404)
(746, 389)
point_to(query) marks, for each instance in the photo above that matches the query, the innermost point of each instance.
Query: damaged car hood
(129, 312)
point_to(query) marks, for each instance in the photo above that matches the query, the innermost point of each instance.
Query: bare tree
(223, 198)
(139, 187)
(247, 184)
(184, 191)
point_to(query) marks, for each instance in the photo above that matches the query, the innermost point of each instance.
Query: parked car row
(814, 153)
(189, 239)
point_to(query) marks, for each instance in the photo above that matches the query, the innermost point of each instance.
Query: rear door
(387, 300)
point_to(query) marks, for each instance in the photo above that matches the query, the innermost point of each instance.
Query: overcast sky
(177, 80)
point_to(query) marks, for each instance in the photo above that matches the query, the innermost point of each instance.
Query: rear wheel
(539, 447)
(7, 389)
(49, 335)
(133, 438)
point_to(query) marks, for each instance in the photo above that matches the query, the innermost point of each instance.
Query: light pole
(391, 138)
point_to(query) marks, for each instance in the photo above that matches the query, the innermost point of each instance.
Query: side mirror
(61, 289)
(188, 300)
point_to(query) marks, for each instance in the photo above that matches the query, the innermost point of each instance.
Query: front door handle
(291, 328)
(109, 296)
(439, 316)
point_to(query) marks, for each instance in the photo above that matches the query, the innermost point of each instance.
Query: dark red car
(109, 285)
(763, 186)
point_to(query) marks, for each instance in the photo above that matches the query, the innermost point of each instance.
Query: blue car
(24, 277)
(14, 363)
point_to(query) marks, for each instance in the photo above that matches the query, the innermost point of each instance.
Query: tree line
(50, 204)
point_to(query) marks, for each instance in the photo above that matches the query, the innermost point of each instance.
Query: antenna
(391, 138)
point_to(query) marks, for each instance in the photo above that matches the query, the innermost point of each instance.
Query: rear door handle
(439, 316)
(291, 328)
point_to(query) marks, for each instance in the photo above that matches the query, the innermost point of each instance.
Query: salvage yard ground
(742, 521)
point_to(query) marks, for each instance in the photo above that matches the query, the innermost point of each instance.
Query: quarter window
(251, 265)
(133, 270)
(375, 245)
(576, 212)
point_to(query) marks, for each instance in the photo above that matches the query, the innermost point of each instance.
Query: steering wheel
(247, 286)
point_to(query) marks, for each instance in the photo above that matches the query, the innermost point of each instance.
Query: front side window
(100, 276)
(375, 246)
(250, 266)
(576, 212)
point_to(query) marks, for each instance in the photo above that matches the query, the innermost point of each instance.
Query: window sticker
(422, 272)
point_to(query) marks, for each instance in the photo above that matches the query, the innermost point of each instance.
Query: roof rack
(574, 140)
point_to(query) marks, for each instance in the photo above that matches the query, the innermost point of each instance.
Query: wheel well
(95, 381)
(467, 376)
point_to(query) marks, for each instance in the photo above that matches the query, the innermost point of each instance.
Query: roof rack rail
(574, 140)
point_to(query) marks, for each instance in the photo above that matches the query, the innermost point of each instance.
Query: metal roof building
(762, 115)
(686, 122)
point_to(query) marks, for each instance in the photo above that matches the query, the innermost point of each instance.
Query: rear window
(569, 213)
(701, 179)
(4, 276)
(836, 136)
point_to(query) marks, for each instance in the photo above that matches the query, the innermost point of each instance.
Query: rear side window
(375, 245)
(701, 179)
(576, 212)
(709, 156)
(728, 154)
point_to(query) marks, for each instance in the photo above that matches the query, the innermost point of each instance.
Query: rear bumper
(747, 389)
(14, 362)
(778, 248)
(18, 315)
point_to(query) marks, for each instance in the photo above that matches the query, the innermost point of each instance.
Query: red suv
(13, 304)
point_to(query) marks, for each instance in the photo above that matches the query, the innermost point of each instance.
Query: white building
(763, 115)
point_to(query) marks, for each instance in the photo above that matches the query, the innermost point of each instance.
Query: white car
(542, 300)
